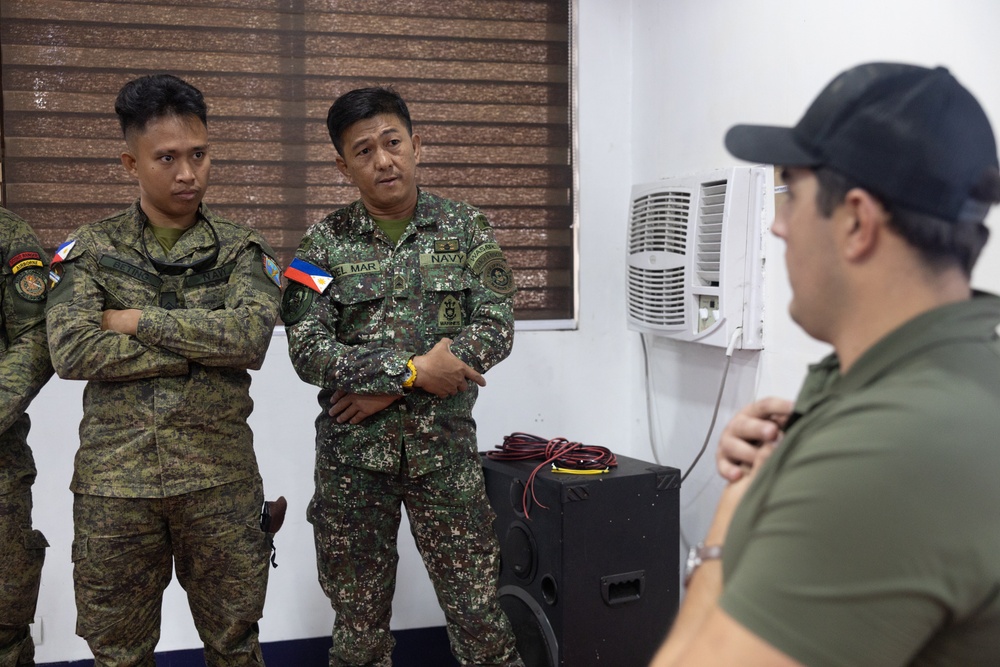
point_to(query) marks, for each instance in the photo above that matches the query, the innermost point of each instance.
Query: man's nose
(779, 226)
(185, 172)
(382, 158)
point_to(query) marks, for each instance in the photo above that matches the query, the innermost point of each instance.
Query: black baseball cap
(913, 136)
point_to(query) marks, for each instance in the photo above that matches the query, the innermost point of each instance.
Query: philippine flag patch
(311, 276)
(63, 251)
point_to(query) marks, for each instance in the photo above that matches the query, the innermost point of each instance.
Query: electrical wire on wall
(652, 427)
(650, 412)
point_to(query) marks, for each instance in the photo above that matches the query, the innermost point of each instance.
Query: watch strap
(697, 556)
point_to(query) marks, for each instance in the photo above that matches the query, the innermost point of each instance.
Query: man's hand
(441, 373)
(355, 408)
(757, 424)
(121, 321)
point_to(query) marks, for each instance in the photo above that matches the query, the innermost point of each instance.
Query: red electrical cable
(557, 451)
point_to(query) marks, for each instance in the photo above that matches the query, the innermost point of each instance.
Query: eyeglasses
(177, 268)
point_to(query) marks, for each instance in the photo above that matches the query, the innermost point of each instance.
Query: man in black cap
(871, 534)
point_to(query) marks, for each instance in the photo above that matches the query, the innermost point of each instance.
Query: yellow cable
(570, 471)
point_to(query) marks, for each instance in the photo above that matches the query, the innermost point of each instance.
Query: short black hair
(941, 243)
(155, 96)
(361, 104)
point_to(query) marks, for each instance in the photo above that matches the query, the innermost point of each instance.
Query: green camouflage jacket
(24, 354)
(164, 411)
(447, 277)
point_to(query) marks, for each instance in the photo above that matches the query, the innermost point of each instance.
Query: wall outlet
(708, 311)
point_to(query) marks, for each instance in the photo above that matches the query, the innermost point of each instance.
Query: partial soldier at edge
(24, 370)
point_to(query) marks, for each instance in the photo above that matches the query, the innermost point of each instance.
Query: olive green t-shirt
(167, 236)
(394, 228)
(872, 535)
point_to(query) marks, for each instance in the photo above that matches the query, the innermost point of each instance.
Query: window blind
(488, 85)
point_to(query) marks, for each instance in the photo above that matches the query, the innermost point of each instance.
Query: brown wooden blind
(487, 82)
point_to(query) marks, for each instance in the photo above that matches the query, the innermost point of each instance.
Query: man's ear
(415, 140)
(129, 162)
(342, 166)
(864, 222)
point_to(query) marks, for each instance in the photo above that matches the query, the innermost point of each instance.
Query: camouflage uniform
(24, 368)
(166, 468)
(446, 277)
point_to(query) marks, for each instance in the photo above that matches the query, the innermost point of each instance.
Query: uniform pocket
(357, 288)
(78, 552)
(360, 302)
(443, 294)
(33, 539)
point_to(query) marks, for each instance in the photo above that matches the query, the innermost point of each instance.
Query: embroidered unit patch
(498, 277)
(55, 275)
(271, 269)
(295, 302)
(30, 284)
(450, 314)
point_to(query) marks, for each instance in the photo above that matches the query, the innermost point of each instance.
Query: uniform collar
(197, 238)
(361, 222)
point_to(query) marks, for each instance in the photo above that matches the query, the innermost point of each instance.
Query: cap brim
(768, 145)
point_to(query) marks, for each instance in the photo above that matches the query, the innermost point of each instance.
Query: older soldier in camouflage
(162, 308)
(397, 304)
(24, 369)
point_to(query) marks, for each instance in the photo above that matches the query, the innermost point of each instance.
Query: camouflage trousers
(123, 553)
(356, 514)
(22, 552)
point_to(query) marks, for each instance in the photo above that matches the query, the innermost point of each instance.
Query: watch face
(693, 561)
(698, 554)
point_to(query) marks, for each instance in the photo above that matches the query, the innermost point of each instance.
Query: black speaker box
(591, 578)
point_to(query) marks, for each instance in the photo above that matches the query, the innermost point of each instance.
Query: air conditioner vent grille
(656, 297)
(660, 223)
(709, 241)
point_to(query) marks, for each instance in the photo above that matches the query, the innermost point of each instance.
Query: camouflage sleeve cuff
(150, 328)
(398, 370)
(381, 372)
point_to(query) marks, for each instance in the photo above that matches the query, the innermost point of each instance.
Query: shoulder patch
(271, 269)
(295, 303)
(24, 259)
(498, 277)
(55, 275)
(483, 255)
(30, 284)
(309, 275)
(63, 251)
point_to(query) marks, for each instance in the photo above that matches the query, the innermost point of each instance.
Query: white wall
(700, 66)
(659, 83)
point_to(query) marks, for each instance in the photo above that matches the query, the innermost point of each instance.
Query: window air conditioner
(695, 260)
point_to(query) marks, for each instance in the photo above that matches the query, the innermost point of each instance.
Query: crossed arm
(439, 372)
(121, 321)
